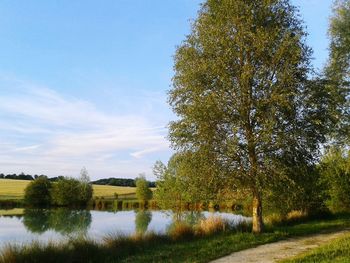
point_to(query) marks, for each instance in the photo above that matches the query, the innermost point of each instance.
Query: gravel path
(274, 252)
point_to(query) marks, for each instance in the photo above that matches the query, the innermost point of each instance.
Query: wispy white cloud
(26, 148)
(44, 131)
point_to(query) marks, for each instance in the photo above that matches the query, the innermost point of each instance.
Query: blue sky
(83, 83)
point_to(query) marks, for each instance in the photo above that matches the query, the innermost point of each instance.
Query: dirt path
(280, 250)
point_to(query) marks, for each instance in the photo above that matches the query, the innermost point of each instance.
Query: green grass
(161, 248)
(337, 251)
(14, 189)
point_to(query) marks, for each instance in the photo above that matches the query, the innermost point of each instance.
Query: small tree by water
(143, 192)
(37, 193)
(71, 192)
(86, 191)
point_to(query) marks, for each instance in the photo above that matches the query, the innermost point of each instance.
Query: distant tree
(116, 182)
(37, 193)
(86, 190)
(84, 176)
(143, 192)
(21, 176)
(244, 98)
(55, 179)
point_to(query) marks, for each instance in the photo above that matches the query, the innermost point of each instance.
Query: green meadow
(14, 189)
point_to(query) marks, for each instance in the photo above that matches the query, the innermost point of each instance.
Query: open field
(109, 190)
(14, 189)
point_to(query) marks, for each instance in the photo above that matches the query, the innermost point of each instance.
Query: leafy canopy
(337, 70)
(37, 193)
(242, 93)
(243, 96)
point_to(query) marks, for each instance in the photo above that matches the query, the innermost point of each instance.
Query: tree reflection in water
(142, 220)
(36, 220)
(61, 220)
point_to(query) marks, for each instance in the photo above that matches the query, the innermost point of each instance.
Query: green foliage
(335, 169)
(71, 192)
(37, 193)
(119, 182)
(242, 93)
(142, 220)
(143, 192)
(171, 190)
(337, 70)
(65, 192)
(176, 185)
(302, 190)
(339, 32)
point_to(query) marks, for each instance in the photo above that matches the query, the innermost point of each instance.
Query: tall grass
(214, 239)
(113, 246)
(212, 225)
(293, 217)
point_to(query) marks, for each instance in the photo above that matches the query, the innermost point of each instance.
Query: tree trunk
(258, 224)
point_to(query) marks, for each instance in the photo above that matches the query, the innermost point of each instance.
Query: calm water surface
(59, 224)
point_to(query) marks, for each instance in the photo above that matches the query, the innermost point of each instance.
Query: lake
(45, 225)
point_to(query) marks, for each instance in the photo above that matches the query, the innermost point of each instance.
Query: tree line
(121, 182)
(105, 181)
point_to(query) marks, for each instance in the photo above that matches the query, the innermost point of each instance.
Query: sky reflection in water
(58, 224)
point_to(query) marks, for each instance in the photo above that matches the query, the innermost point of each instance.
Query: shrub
(143, 192)
(302, 191)
(335, 171)
(180, 230)
(293, 217)
(37, 193)
(71, 192)
(211, 225)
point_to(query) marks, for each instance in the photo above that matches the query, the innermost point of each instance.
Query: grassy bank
(336, 251)
(183, 247)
